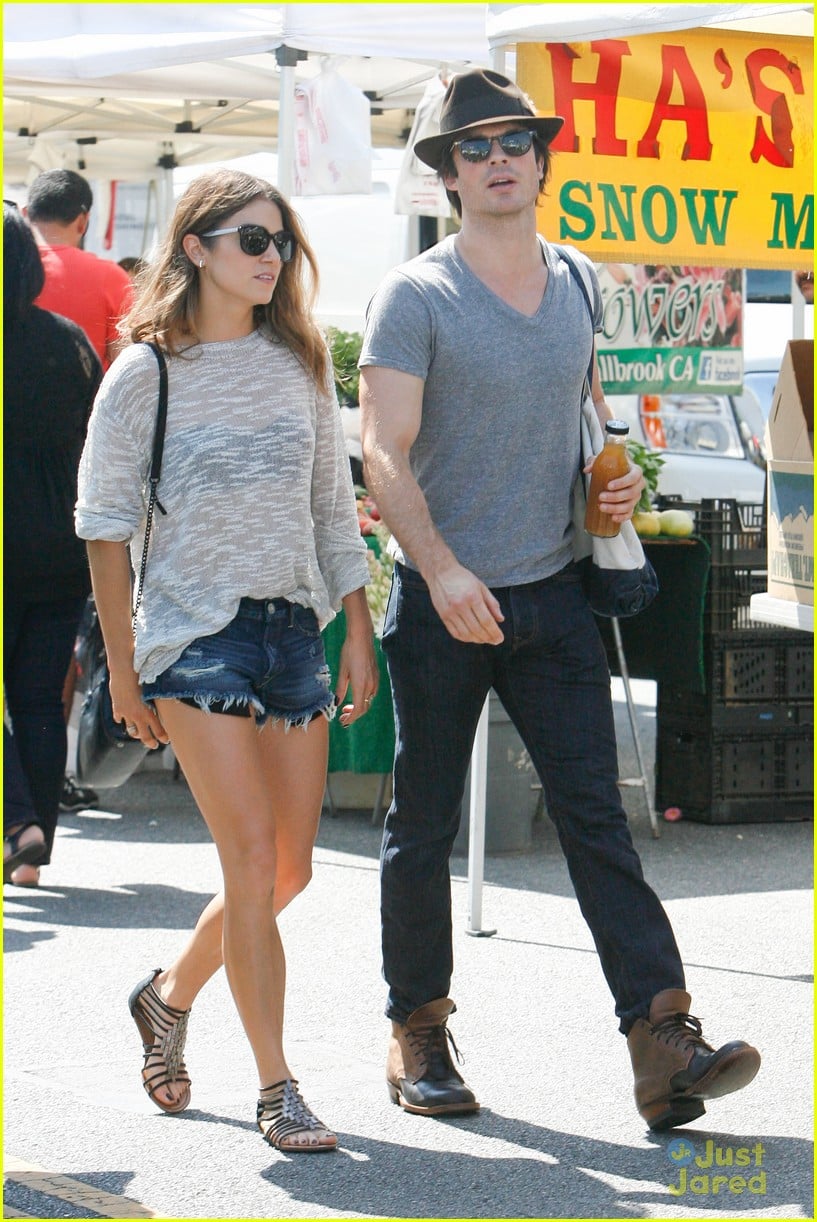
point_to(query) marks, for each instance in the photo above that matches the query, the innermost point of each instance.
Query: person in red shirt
(93, 292)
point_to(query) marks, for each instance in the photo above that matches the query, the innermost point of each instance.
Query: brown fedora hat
(481, 96)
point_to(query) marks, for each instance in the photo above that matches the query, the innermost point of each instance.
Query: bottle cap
(619, 428)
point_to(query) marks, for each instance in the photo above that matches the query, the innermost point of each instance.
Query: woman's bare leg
(260, 794)
(201, 957)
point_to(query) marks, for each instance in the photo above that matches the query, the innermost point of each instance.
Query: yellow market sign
(693, 147)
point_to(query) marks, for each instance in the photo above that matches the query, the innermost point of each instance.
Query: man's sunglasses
(478, 148)
(255, 239)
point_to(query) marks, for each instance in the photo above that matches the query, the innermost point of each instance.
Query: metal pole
(286, 58)
(641, 779)
(476, 828)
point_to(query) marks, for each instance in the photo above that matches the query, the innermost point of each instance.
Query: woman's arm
(111, 580)
(358, 664)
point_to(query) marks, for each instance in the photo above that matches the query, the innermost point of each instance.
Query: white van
(712, 444)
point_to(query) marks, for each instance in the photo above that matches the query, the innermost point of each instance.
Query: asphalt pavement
(558, 1135)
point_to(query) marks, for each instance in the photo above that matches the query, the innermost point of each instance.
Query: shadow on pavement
(565, 1176)
(689, 859)
(130, 906)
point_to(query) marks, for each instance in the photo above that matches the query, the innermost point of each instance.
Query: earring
(201, 262)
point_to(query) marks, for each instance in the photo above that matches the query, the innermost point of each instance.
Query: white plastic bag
(333, 145)
(419, 191)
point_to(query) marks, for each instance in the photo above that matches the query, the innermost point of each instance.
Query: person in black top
(50, 376)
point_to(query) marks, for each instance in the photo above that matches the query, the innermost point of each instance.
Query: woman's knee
(249, 869)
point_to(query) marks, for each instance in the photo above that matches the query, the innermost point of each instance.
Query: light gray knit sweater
(255, 481)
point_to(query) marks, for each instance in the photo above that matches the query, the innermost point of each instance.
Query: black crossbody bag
(106, 753)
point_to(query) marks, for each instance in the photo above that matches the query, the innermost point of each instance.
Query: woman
(50, 376)
(257, 544)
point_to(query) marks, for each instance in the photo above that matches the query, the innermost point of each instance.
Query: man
(471, 376)
(93, 292)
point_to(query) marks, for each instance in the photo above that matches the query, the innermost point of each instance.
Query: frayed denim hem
(203, 700)
(301, 721)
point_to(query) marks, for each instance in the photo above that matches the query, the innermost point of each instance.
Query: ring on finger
(132, 729)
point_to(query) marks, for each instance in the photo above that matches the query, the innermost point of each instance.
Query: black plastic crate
(747, 667)
(735, 534)
(754, 681)
(735, 777)
(683, 712)
(734, 531)
(729, 596)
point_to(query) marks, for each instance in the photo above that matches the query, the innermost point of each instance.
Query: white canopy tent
(513, 23)
(129, 89)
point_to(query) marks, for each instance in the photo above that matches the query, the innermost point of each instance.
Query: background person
(50, 376)
(258, 545)
(133, 265)
(94, 293)
(472, 369)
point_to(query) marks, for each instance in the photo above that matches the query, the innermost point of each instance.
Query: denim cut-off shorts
(267, 662)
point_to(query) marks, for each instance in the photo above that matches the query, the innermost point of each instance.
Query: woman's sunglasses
(478, 148)
(255, 239)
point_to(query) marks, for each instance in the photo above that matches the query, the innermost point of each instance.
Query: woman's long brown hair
(168, 289)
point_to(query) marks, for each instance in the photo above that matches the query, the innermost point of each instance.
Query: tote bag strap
(581, 276)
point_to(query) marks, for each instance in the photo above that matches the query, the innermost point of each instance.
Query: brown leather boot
(675, 1069)
(420, 1074)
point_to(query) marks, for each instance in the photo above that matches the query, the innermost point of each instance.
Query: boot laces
(431, 1043)
(683, 1030)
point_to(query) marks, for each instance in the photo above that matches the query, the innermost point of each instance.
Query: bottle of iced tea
(610, 464)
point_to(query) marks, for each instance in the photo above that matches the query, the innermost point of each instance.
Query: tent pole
(798, 309)
(479, 764)
(165, 166)
(286, 58)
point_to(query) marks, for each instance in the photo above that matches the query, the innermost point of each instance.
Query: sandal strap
(171, 1045)
(282, 1113)
(163, 1029)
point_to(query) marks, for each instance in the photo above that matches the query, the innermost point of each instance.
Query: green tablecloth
(666, 642)
(368, 744)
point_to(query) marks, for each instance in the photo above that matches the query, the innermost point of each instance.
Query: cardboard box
(790, 456)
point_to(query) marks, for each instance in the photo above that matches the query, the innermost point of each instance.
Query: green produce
(345, 347)
(650, 462)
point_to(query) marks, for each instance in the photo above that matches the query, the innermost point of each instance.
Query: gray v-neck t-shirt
(497, 453)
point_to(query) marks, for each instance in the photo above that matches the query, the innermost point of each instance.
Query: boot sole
(442, 1109)
(732, 1073)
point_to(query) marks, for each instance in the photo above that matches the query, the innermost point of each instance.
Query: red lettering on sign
(603, 92)
(777, 148)
(692, 111)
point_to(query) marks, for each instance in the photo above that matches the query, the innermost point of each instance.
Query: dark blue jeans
(38, 640)
(552, 677)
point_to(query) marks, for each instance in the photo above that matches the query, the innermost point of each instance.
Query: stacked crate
(743, 751)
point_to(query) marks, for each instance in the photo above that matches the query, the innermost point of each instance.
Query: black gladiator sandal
(288, 1124)
(163, 1030)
